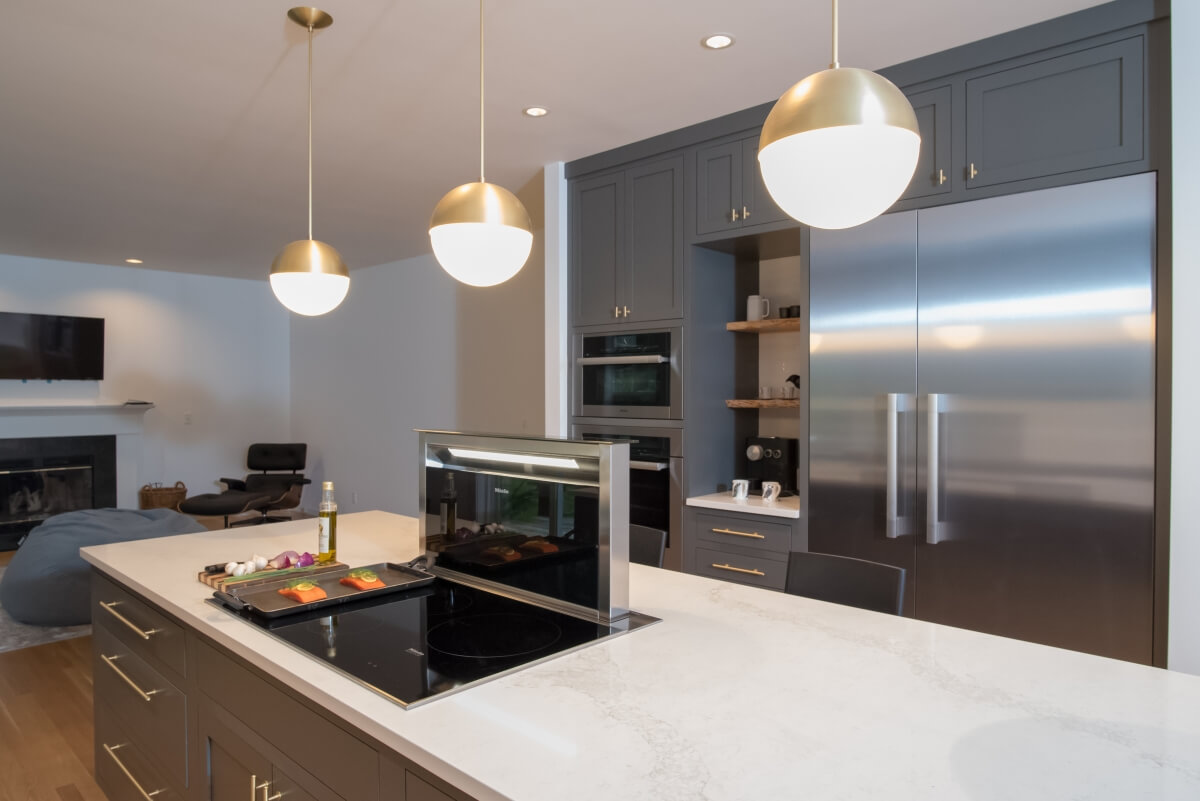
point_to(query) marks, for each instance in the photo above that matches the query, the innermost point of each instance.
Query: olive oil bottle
(327, 522)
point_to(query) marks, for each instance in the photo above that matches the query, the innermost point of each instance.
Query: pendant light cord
(835, 64)
(310, 182)
(481, 180)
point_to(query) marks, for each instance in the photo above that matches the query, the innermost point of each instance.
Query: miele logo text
(500, 491)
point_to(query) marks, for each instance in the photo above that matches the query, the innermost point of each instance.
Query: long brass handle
(145, 635)
(111, 662)
(972, 172)
(733, 215)
(739, 569)
(110, 750)
(941, 177)
(751, 534)
(616, 311)
(626, 314)
(266, 790)
(745, 213)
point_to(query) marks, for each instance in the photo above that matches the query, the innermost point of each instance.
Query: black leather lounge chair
(263, 491)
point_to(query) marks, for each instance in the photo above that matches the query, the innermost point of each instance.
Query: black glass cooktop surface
(425, 642)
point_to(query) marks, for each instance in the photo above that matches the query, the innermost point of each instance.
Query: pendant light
(839, 147)
(480, 232)
(309, 277)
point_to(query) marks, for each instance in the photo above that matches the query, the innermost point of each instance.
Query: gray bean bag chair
(48, 583)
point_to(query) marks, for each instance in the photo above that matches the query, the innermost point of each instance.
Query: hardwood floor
(6, 557)
(46, 723)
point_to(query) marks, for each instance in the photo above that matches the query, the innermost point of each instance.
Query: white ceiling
(174, 132)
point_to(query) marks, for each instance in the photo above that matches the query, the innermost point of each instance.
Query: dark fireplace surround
(44, 476)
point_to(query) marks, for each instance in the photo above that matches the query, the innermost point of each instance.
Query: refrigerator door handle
(933, 524)
(896, 524)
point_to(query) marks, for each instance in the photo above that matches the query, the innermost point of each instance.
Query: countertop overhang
(738, 693)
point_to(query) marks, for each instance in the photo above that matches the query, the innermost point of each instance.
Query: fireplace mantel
(75, 419)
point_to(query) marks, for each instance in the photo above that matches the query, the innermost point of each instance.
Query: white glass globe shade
(841, 176)
(481, 253)
(310, 294)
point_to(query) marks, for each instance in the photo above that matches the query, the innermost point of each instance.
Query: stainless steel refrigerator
(982, 410)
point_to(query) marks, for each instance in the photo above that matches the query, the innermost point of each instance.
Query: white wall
(411, 348)
(212, 348)
(1184, 636)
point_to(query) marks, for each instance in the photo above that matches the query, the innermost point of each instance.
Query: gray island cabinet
(737, 693)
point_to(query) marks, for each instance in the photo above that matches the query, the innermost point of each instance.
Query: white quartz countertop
(753, 505)
(739, 693)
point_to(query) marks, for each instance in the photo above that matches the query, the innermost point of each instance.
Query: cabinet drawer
(754, 570)
(123, 770)
(146, 631)
(744, 531)
(152, 710)
(347, 765)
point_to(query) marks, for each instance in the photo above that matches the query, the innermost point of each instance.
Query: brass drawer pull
(111, 662)
(145, 635)
(754, 535)
(111, 751)
(739, 569)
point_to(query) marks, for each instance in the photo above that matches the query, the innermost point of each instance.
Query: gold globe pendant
(839, 147)
(481, 234)
(309, 277)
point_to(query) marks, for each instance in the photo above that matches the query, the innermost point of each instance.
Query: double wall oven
(655, 478)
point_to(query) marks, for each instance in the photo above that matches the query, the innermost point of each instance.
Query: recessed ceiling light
(133, 261)
(536, 111)
(718, 41)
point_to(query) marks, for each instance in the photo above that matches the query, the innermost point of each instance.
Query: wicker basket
(156, 496)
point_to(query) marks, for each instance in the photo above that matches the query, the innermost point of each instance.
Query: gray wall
(411, 348)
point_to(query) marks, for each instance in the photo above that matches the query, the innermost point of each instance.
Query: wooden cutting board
(223, 581)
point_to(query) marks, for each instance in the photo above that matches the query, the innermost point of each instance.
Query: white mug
(770, 491)
(789, 390)
(741, 488)
(757, 308)
(765, 393)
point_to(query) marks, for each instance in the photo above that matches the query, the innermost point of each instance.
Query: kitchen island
(738, 693)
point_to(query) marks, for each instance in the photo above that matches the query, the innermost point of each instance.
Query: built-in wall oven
(629, 374)
(655, 478)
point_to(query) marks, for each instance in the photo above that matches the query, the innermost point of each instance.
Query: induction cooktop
(414, 646)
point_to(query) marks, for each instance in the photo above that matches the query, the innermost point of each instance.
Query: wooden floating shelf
(765, 326)
(774, 403)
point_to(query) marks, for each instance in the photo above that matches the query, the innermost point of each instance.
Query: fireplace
(44, 476)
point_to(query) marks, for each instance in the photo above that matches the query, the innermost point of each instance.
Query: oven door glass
(627, 370)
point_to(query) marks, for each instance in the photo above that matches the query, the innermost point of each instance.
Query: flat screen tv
(47, 346)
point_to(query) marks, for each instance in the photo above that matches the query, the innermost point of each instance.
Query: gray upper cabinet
(651, 287)
(627, 244)
(1063, 114)
(730, 194)
(597, 247)
(935, 164)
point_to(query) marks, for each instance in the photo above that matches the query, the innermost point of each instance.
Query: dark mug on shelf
(785, 311)
(792, 311)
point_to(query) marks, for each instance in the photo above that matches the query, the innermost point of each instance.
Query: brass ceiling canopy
(840, 146)
(309, 277)
(309, 17)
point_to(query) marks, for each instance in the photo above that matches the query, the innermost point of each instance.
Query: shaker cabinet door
(758, 207)
(653, 278)
(719, 188)
(597, 216)
(933, 173)
(1072, 112)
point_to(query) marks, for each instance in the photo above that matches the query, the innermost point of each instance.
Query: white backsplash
(782, 354)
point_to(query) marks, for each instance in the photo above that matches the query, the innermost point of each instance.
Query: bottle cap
(327, 485)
